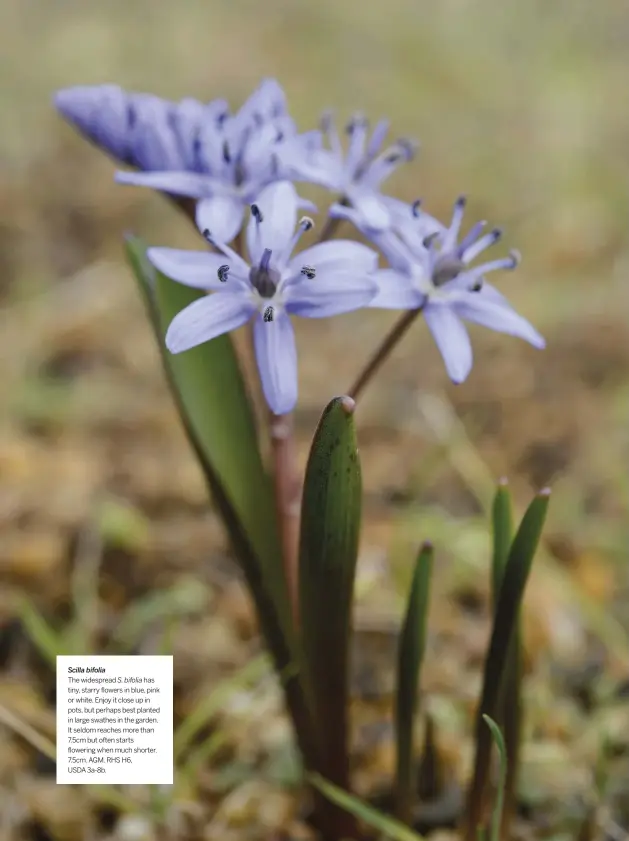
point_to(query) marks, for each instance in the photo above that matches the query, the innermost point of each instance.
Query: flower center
(446, 268)
(263, 277)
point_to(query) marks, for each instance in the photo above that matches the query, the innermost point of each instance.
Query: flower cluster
(249, 162)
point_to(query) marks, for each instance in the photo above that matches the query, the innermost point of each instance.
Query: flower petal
(372, 212)
(278, 205)
(207, 318)
(154, 143)
(198, 269)
(336, 253)
(396, 291)
(497, 316)
(188, 117)
(276, 355)
(415, 225)
(102, 113)
(266, 102)
(452, 339)
(221, 215)
(330, 294)
(189, 184)
(314, 165)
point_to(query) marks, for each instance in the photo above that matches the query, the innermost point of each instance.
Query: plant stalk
(395, 334)
(287, 501)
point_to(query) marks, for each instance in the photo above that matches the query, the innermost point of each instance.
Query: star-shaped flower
(357, 173)
(324, 280)
(243, 153)
(433, 273)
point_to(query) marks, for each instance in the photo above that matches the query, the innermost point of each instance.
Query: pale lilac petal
(371, 209)
(396, 291)
(189, 184)
(257, 156)
(452, 339)
(265, 103)
(316, 166)
(103, 113)
(342, 211)
(307, 205)
(377, 138)
(276, 355)
(221, 216)
(397, 252)
(188, 116)
(154, 142)
(198, 269)
(490, 293)
(278, 205)
(330, 294)
(497, 317)
(207, 318)
(414, 226)
(336, 252)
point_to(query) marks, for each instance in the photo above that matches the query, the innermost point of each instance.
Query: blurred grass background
(522, 106)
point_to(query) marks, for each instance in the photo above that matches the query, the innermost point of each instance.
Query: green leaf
(502, 778)
(210, 395)
(502, 522)
(514, 580)
(509, 713)
(410, 656)
(389, 827)
(328, 550)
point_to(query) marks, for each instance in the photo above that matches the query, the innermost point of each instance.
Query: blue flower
(324, 280)
(432, 272)
(243, 154)
(358, 172)
(140, 129)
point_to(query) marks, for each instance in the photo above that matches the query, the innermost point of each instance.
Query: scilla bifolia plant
(236, 176)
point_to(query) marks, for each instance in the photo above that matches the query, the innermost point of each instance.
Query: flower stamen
(481, 244)
(265, 259)
(305, 224)
(223, 273)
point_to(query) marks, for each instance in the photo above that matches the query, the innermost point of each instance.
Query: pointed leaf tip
(348, 404)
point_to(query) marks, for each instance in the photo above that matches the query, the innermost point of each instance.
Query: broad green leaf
(496, 818)
(328, 550)
(210, 395)
(509, 713)
(510, 597)
(410, 656)
(389, 827)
